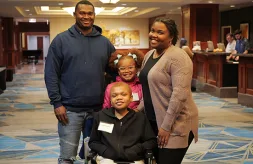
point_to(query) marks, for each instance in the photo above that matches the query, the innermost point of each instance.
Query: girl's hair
(138, 62)
(171, 26)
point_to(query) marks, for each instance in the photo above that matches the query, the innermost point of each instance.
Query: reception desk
(2, 79)
(245, 87)
(213, 74)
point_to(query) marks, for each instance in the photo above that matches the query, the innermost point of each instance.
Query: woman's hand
(163, 137)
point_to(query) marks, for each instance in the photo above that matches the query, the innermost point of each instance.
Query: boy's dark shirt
(130, 137)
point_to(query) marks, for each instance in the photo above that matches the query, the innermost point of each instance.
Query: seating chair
(149, 158)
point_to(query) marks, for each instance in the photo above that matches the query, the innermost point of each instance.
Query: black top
(129, 138)
(149, 108)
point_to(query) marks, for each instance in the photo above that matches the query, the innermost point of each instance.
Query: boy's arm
(95, 143)
(149, 138)
(147, 142)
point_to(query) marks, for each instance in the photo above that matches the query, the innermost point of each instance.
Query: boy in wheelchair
(119, 134)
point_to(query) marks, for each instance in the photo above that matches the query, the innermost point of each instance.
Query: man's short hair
(237, 32)
(230, 34)
(84, 2)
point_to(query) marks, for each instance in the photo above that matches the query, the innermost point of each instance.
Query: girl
(127, 64)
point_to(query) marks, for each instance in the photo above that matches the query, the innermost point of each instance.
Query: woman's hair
(171, 26)
(114, 59)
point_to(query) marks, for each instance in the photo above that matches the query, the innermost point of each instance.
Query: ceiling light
(60, 4)
(27, 10)
(71, 10)
(109, 1)
(136, 10)
(32, 20)
(44, 8)
(210, 1)
(179, 8)
(116, 9)
(232, 5)
(123, 4)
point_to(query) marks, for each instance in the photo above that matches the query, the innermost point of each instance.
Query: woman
(166, 82)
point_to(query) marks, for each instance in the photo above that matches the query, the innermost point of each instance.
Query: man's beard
(84, 28)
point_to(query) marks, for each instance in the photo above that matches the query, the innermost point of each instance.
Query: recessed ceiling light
(136, 10)
(232, 5)
(123, 4)
(60, 4)
(179, 8)
(210, 1)
(44, 8)
(32, 20)
(27, 10)
(116, 9)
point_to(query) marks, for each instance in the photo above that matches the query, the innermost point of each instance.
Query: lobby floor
(28, 127)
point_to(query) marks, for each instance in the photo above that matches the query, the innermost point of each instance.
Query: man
(74, 76)
(231, 43)
(242, 45)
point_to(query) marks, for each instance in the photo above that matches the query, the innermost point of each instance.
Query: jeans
(69, 136)
(86, 133)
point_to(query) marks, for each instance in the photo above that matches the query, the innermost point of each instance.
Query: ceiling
(132, 8)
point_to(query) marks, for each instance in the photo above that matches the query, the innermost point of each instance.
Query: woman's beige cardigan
(170, 88)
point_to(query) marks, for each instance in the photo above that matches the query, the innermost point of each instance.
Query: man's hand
(61, 115)
(163, 138)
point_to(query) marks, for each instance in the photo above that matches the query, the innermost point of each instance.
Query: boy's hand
(61, 115)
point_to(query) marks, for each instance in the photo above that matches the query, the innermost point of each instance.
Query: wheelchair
(91, 158)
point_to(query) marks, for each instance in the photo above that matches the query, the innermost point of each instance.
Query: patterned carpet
(28, 127)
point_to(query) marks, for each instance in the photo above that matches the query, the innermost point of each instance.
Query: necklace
(156, 55)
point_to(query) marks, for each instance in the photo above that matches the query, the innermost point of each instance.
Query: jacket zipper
(119, 139)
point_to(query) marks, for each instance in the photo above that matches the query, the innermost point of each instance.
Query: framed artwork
(123, 37)
(130, 37)
(245, 30)
(224, 31)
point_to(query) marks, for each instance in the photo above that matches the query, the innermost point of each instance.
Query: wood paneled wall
(200, 22)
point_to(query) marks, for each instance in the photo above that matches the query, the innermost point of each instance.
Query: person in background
(166, 77)
(127, 64)
(183, 45)
(241, 47)
(231, 43)
(119, 133)
(74, 77)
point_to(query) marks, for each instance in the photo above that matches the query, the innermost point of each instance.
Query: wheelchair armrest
(149, 153)
(91, 154)
(91, 157)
